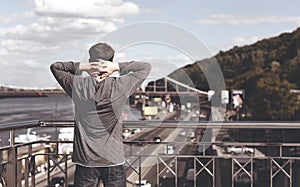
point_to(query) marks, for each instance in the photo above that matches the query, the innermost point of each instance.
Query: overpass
(168, 86)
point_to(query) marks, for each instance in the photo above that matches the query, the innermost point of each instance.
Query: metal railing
(189, 161)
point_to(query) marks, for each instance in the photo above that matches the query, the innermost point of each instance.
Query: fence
(188, 154)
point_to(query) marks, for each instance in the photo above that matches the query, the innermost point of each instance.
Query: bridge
(167, 85)
(171, 86)
(8, 91)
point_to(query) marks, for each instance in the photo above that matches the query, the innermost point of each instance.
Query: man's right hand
(99, 67)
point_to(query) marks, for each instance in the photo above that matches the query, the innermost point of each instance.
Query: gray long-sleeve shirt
(98, 138)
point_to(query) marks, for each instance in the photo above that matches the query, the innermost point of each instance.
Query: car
(141, 142)
(143, 183)
(227, 138)
(182, 133)
(194, 117)
(191, 134)
(239, 150)
(192, 139)
(126, 133)
(157, 139)
(57, 182)
(135, 131)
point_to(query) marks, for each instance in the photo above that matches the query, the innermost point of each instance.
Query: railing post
(195, 171)
(19, 173)
(66, 170)
(232, 172)
(157, 170)
(48, 168)
(12, 161)
(12, 167)
(33, 167)
(291, 172)
(140, 170)
(176, 170)
(26, 172)
(271, 173)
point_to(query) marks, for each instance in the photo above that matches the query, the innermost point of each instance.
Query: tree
(273, 98)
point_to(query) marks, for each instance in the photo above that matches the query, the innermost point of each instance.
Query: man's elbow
(55, 66)
(52, 67)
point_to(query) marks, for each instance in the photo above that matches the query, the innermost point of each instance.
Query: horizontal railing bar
(214, 124)
(19, 125)
(55, 123)
(242, 144)
(252, 144)
(163, 124)
(243, 156)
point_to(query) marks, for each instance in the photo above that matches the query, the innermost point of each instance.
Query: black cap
(101, 51)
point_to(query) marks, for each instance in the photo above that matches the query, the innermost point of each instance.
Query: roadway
(178, 138)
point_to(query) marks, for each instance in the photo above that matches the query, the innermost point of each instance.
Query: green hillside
(267, 70)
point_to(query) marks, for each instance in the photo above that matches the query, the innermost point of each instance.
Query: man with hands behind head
(98, 100)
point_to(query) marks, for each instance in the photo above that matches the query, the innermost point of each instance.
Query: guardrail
(202, 160)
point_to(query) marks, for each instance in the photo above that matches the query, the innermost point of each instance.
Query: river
(35, 108)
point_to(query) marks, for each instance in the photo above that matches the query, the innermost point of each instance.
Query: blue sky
(36, 33)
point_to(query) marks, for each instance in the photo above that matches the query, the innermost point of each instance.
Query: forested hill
(267, 70)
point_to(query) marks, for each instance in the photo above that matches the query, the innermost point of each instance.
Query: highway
(178, 138)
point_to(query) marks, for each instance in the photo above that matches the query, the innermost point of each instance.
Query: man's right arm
(132, 75)
(64, 73)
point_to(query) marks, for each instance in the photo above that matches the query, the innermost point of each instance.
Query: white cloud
(151, 11)
(180, 59)
(19, 47)
(56, 29)
(231, 19)
(33, 64)
(62, 23)
(3, 52)
(238, 41)
(109, 9)
(4, 19)
(245, 40)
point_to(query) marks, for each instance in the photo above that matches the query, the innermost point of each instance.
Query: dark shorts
(114, 176)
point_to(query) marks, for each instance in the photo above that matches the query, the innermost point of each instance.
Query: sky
(36, 33)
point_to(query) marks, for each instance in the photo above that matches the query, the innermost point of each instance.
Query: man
(99, 100)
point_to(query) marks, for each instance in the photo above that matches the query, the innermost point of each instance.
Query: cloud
(180, 59)
(62, 23)
(4, 19)
(245, 40)
(19, 47)
(231, 19)
(53, 30)
(3, 52)
(151, 11)
(69, 20)
(33, 64)
(108, 9)
(237, 41)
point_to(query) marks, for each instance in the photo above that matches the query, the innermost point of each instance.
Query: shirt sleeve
(64, 73)
(132, 75)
